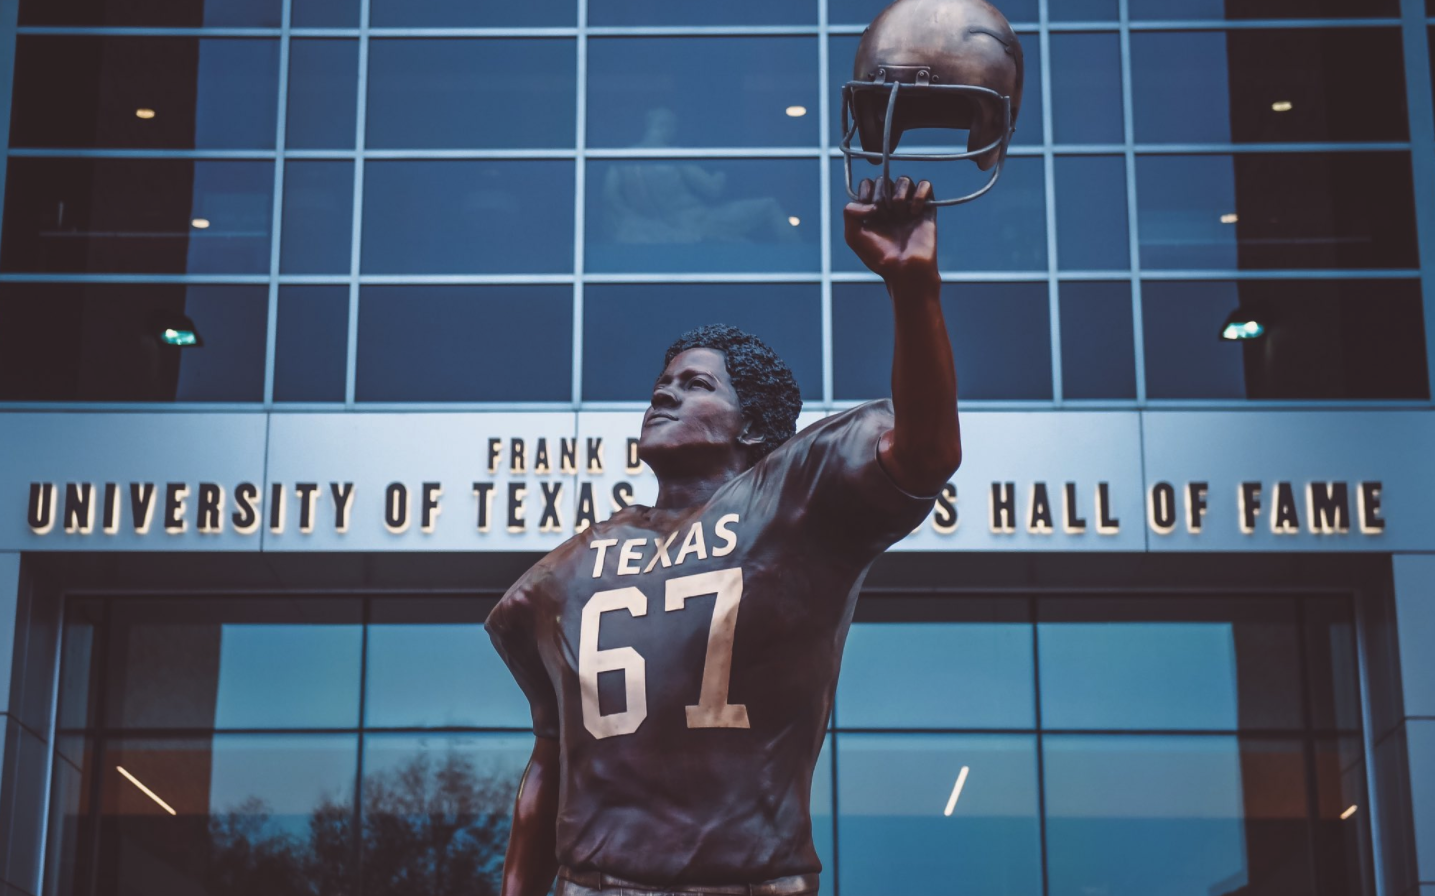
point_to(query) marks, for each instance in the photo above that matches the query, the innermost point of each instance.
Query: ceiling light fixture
(1230, 218)
(1281, 106)
(794, 220)
(796, 111)
(1347, 813)
(200, 223)
(1241, 325)
(956, 791)
(144, 113)
(147, 792)
(176, 329)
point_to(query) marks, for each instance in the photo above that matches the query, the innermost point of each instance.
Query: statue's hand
(896, 237)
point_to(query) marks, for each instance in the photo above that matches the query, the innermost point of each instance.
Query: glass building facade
(404, 209)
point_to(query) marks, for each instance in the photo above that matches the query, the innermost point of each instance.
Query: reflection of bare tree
(681, 202)
(433, 826)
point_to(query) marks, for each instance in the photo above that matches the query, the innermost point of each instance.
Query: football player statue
(680, 659)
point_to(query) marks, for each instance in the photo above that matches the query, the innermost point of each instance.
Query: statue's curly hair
(766, 389)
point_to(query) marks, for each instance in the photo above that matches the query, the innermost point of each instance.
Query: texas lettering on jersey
(686, 659)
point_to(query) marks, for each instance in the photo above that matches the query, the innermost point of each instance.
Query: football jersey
(686, 659)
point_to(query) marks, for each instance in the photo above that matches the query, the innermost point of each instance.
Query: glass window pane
(1098, 349)
(1176, 664)
(1000, 332)
(437, 811)
(109, 347)
(1084, 11)
(127, 13)
(1004, 230)
(653, 92)
(144, 92)
(468, 217)
(973, 674)
(430, 665)
(621, 360)
(323, 91)
(467, 14)
(1344, 861)
(162, 216)
(893, 791)
(261, 813)
(1135, 815)
(318, 227)
(1091, 224)
(842, 50)
(1262, 9)
(1277, 210)
(234, 663)
(310, 346)
(462, 93)
(324, 14)
(1086, 88)
(703, 215)
(862, 12)
(820, 807)
(463, 343)
(1325, 339)
(1268, 86)
(729, 12)
(1333, 675)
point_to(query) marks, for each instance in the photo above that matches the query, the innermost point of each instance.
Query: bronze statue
(680, 660)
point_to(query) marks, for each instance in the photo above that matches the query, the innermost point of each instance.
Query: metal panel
(1298, 448)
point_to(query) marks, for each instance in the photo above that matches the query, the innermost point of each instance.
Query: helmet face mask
(950, 64)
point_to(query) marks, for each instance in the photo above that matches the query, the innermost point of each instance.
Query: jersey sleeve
(834, 484)
(510, 627)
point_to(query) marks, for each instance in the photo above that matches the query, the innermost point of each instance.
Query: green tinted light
(1243, 329)
(172, 336)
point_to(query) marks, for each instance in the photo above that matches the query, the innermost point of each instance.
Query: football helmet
(934, 64)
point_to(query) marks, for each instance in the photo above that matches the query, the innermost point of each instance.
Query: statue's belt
(792, 885)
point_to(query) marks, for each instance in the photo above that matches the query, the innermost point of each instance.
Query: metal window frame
(1413, 23)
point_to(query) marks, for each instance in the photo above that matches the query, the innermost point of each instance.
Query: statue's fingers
(920, 197)
(865, 190)
(902, 191)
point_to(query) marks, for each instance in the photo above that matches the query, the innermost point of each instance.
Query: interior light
(1347, 813)
(146, 114)
(956, 791)
(1281, 106)
(200, 223)
(147, 792)
(1230, 218)
(794, 220)
(173, 328)
(796, 111)
(1241, 325)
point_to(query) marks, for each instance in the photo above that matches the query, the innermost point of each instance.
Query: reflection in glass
(974, 675)
(310, 344)
(729, 12)
(1000, 332)
(227, 814)
(1262, 9)
(1199, 663)
(191, 14)
(465, 343)
(324, 14)
(1344, 863)
(144, 92)
(1358, 339)
(431, 665)
(462, 93)
(1334, 680)
(631, 78)
(1086, 88)
(467, 217)
(317, 233)
(621, 362)
(1342, 85)
(233, 663)
(1136, 815)
(467, 14)
(892, 797)
(323, 86)
(1004, 231)
(1277, 210)
(706, 215)
(842, 49)
(1084, 11)
(1091, 226)
(437, 810)
(98, 342)
(820, 807)
(1098, 349)
(108, 215)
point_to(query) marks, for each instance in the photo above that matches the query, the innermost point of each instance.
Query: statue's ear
(750, 436)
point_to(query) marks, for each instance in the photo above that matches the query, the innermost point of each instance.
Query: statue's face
(695, 418)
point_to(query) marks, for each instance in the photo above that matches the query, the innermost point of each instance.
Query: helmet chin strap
(886, 157)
